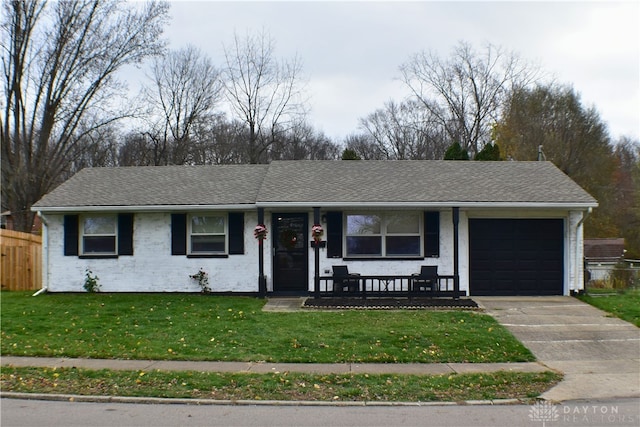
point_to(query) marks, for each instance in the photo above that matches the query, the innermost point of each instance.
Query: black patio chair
(426, 280)
(345, 281)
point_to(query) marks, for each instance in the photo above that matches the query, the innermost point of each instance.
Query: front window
(208, 234)
(99, 235)
(389, 234)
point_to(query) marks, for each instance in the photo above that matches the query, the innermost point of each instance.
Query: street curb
(186, 401)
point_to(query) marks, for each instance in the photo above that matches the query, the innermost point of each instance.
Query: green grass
(197, 327)
(278, 386)
(625, 305)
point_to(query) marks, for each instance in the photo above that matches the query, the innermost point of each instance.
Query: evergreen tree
(456, 152)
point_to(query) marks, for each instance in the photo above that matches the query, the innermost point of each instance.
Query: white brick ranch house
(491, 228)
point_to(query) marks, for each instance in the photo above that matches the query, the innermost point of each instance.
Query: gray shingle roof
(321, 182)
(436, 181)
(158, 185)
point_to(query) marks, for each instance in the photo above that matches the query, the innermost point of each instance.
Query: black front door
(290, 253)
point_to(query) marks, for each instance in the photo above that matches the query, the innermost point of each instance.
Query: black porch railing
(388, 286)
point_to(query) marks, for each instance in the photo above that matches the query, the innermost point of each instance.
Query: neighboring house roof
(323, 183)
(604, 250)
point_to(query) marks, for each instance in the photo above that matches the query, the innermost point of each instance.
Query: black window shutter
(334, 234)
(125, 234)
(178, 234)
(236, 233)
(71, 235)
(432, 234)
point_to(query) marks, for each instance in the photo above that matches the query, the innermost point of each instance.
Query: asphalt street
(28, 413)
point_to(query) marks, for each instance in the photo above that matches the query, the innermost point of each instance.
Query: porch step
(284, 304)
(418, 303)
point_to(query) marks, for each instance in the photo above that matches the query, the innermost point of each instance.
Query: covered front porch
(311, 256)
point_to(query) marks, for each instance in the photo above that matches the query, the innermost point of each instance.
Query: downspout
(580, 260)
(45, 254)
(584, 217)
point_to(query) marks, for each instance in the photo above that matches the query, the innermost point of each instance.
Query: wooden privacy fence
(20, 261)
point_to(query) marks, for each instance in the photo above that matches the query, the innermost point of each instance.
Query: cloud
(351, 51)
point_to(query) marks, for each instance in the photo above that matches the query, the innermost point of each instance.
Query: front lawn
(625, 305)
(279, 385)
(198, 327)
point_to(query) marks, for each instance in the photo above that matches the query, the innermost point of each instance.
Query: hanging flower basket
(260, 232)
(317, 232)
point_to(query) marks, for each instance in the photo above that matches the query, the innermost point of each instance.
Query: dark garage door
(516, 256)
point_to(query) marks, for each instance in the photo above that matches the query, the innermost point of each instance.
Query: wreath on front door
(288, 238)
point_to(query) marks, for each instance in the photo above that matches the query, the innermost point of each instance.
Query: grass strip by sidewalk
(624, 305)
(199, 327)
(279, 385)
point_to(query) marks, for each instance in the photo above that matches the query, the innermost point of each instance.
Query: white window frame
(190, 233)
(82, 234)
(383, 234)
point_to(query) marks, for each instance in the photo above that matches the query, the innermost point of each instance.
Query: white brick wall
(154, 269)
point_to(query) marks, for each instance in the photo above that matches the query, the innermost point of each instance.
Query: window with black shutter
(207, 235)
(334, 234)
(125, 234)
(71, 235)
(178, 234)
(432, 234)
(236, 233)
(98, 235)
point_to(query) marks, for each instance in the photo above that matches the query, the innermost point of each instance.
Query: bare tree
(219, 141)
(466, 91)
(99, 148)
(135, 150)
(264, 92)
(303, 142)
(186, 89)
(364, 147)
(405, 131)
(59, 65)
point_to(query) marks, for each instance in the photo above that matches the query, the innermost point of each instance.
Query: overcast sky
(351, 51)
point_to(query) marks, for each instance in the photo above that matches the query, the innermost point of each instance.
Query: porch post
(456, 272)
(316, 254)
(262, 281)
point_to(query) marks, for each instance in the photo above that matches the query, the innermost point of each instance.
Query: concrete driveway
(599, 355)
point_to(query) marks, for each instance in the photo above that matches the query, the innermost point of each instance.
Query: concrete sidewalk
(261, 368)
(598, 354)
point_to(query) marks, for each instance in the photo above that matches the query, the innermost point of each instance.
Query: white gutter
(324, 205)
(448, 204)
(144, 208)
(308, 205)
(45, 255)
(579, 260)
